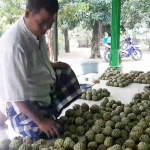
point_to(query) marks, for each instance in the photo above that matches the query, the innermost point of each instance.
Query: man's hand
(45, 125)
(49, 127)
(60, 65)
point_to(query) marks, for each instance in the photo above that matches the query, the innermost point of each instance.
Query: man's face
(40, 22)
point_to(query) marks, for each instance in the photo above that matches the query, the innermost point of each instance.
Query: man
(107, 39)
(35, 89)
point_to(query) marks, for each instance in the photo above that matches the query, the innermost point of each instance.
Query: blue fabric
(107, 40)
(67, 90)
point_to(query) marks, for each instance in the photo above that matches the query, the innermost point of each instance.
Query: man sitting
(34, 89)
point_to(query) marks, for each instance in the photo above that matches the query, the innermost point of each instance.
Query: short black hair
(50, 6)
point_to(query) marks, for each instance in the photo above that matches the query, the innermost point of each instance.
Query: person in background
(107, 43)
(34, 89)
(107, 39)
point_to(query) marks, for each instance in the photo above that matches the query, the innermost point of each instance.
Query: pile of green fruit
(96, 81)
(143, 78)
(145, 95)
(110, 126)
(120, 80)
(19, 143)
(109, 73)
(95, 95)
(147, 88)
(136, 73)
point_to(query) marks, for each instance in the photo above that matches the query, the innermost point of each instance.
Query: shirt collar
(26, 30)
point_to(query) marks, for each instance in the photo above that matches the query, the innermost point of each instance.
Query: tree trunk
(66, 37)
(50, 44)
(96, 40)
(149, 45)
(134, 39)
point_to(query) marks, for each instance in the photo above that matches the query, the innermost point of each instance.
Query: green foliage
(99, 10)
(10, 12)
(135, 12)
(85, 12)
(67, 17)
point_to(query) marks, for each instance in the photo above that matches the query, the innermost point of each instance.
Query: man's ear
(27, 13)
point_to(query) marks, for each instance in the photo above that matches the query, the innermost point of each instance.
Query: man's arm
(29, 111)
(14, 75)
(52, 64)
(16, 90)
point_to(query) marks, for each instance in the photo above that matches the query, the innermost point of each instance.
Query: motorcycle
(130, 51)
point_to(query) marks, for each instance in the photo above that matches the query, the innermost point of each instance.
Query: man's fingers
(57, 125)
(47, 133)
(52, 132)
(56, 131)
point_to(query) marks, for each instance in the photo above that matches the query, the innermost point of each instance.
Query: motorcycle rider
(107, 40)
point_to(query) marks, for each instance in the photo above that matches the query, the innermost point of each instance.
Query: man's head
(40, 15)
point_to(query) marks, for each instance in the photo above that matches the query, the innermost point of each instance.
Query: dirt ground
(81, 55)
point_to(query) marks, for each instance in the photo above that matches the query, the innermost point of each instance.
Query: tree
(135, 13)
(98, 16)
(67, 18)
(10, 11)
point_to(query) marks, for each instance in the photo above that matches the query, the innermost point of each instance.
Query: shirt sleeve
(14, 75)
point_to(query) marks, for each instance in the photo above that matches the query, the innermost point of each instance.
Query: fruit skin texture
(116, 147)
(108, 141)
(116, 133)
(75, 138)
(101, 147)
(25, 146)
(41, 142)
(68, 143)
(79, 121)
(35, 146)
(94, 108)
(99, 138)
(92, 145)
(142, 146)
(27, 140)
(90, 136)
(107, 131)
(144, 138)
(79, 146)
(96, 129)
(80, 130)
(4, 145)
(15, 144)
(18, 138)
(59, 143)
(129, 144)
(85, 107)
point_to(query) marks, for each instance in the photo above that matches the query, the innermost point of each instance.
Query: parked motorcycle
(130, 51)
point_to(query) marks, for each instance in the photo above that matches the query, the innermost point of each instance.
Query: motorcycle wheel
(107, 55)
(136, 54)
